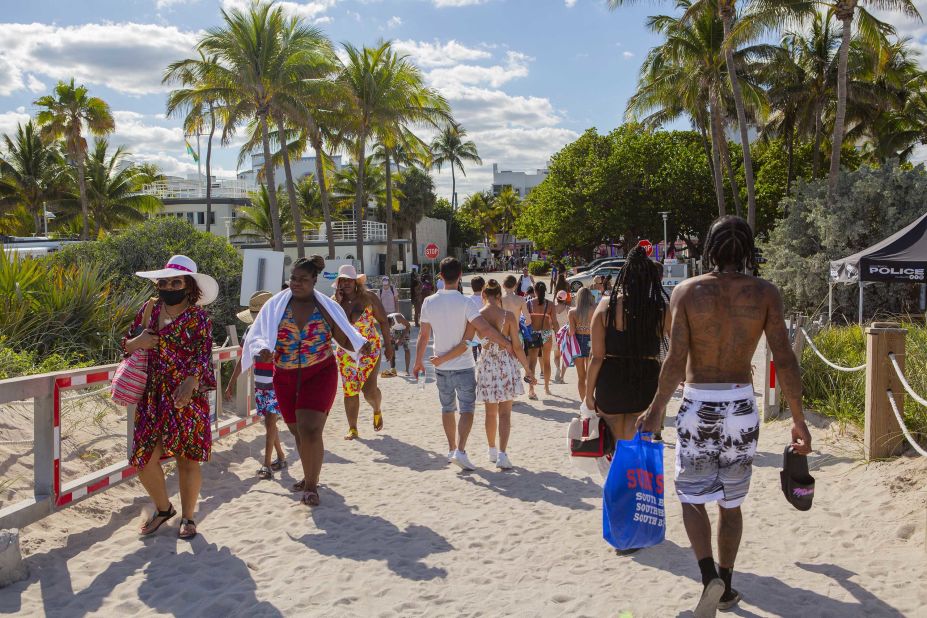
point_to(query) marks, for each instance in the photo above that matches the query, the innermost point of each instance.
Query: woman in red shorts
(305, 372)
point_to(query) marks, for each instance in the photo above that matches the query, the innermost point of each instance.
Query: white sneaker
(460, 458)
(503, 463)
(493, 453)
(450, 456)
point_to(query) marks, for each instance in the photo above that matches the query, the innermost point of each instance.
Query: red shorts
(306, 388)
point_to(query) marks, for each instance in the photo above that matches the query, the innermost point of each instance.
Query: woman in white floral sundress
(498, 378)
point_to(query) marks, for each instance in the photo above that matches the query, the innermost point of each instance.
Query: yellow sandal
(377, 421)
(352, 434)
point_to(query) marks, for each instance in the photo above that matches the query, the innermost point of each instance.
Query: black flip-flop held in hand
(797, 482)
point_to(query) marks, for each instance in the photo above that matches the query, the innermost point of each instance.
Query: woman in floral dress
(172, 417)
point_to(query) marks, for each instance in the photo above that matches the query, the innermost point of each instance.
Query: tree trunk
(82, 188)
(389, 216)
(705, 145)
(716, 157)
(359, 199)
(212, 130)
(453, 189)
(415, 243)
(726, 17)
(726, 159)
(316, 139)
(291, 191)
(790, 157)
(846, 16)
(271, 187)
(818, 138)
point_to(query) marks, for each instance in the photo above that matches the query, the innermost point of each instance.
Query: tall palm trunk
(453, 189)
(414, 243)
(790, 156)
(82, 188)
(359, 204)
(389, 215)
(291, 191)
(212, 130)
(845, 11)
(818, 138)
(716, 156)
(727, 15)
(271, 187)
(323, 190)
(726, 159)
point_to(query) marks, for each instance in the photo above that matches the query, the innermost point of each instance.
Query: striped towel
(263, 376)
(569, 347)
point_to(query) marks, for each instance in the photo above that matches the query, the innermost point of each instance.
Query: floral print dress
(354, 373)
(184, 349)
(498, 374)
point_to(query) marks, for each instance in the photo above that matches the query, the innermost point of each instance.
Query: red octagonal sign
(431, 251)
(647, 246)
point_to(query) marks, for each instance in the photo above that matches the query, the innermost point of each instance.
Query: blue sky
(524, 77)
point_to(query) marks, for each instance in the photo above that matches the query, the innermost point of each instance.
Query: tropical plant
(346, 187)
(30, 174)
(484, 213)
(404, 150)
(113, 192)
(452, 148)
(387, 91)
(417, 198)
(68, 114)
(256, 220)
(508, 207)
(196, 99)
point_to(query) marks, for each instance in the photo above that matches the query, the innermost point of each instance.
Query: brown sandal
(299, 485)
(311, 497)
(163, 515)
(185, 529)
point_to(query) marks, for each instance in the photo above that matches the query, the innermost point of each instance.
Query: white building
(300, 167)
(521, 182)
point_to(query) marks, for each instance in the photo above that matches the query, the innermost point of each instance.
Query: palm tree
(417, 198)
(348, 188)
(871, 30)
(30, 173)
(406, 149)
(113, 191)
(387, 91)
(451, 147)
(196, 99)
(507, 206)
(255, 220)
(67, 114)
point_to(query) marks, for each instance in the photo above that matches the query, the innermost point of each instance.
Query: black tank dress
(626, 385)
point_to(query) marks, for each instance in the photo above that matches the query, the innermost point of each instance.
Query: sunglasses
(171, 284)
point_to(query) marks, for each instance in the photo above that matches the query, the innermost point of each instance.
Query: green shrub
(13, 363)
(538, 268)
(842, 395)
(149, 245)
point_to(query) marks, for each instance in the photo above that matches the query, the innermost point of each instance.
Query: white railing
(347, 230)
(196, 189)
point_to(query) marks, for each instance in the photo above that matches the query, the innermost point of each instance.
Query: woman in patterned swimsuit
(365, 311)
(172, 417)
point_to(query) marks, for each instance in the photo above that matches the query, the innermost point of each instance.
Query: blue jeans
(457, 387)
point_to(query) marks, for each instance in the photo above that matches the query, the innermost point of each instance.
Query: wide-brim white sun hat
(347, 271)
(180, 266)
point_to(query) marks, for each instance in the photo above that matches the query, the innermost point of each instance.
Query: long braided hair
(643, 307)
(730, 244)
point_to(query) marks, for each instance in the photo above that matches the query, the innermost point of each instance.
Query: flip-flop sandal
(377, 421)
(353, 434)
(310, 498)
(533, 397)
(299, 485)
(278, 464)
(185, 533)
(265, 473)
(164, 515)
(797, 482)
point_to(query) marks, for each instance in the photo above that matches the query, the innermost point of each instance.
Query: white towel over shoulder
(263, 333)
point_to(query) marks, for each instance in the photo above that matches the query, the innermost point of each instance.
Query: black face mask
(172, 297)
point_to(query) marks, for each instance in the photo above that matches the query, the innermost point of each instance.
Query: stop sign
(647, 246)
(431, 251)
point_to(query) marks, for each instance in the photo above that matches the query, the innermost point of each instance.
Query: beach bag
(586, 427)
(633, 514)
(131, 376)
(569, 347)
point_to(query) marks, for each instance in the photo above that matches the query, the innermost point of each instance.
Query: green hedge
(538, 268)
(842, 395)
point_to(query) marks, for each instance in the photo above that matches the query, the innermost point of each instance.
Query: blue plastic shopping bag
(632, 500)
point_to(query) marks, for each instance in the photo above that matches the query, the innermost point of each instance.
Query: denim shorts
(457, 387)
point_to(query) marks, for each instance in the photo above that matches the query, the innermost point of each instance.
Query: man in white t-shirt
(446, 315)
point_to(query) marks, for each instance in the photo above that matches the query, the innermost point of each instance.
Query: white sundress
(498, 374)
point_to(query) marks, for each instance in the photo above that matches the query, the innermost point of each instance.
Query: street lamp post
(665, 216)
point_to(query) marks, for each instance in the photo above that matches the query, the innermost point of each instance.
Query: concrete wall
(431, 231)
(521, 182)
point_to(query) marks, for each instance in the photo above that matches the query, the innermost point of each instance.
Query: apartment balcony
(176, 189)
(347, 230)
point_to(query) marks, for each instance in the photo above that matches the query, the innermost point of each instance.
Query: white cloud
(516, 65)
(354, 15)
(447, 3)
(436, 54)
(166, 4)
(34, 85)
(569, 3)
(312, 10)
(627, 54)
(9, 120)
(394, 22)
(127, 57)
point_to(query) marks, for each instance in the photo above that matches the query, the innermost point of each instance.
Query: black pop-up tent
(902, 257)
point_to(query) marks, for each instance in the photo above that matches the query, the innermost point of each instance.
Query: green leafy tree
(462, 231)
(255, 220)
(481, 212)
(30, 174)
(418, 198)
(69, 114)
(452, 148)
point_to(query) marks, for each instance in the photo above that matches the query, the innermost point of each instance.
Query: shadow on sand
(402, 454)
(770, 594)
(348, 534)
(159, 557)
(534, 487)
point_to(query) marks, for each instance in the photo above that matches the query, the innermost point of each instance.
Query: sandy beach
(402, 533)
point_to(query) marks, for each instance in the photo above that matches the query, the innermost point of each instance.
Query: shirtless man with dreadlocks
(717, 321)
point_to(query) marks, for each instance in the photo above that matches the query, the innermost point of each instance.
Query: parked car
(595, 264)
(584, 279)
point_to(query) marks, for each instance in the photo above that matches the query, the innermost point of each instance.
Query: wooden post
(43, 454)
(798, 343)
(883, 437)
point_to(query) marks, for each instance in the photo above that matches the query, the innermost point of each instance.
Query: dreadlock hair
(730, 244)
(644, 303)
